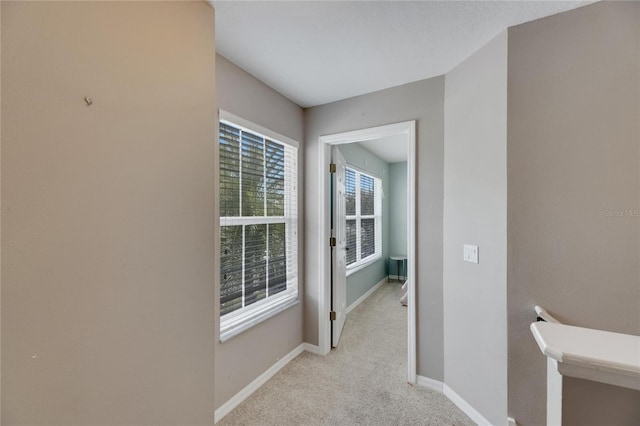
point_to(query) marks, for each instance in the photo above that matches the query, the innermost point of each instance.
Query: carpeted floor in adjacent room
(363, 381)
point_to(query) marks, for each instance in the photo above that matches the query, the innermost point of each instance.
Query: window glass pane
(229, 171)
(252, 175)
(255, 263)
(350, 192)
(351, 241)
(277, 259)
(367, 199)
(368, 237)
(230, 268)
(274, 157)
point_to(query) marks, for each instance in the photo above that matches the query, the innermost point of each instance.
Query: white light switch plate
(470, 253)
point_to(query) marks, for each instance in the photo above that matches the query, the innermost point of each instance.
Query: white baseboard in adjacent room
(430, 383)
(465, 406)
(254, 385)
(364, 296)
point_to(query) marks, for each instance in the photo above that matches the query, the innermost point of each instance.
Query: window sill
(235, 326)
(357, 267)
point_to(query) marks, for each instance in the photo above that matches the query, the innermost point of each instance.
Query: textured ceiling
(319, 52)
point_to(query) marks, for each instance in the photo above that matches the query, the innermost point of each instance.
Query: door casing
(408, 129)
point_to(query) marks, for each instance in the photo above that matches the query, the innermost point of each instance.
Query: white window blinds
(258, 219)
(363, 196)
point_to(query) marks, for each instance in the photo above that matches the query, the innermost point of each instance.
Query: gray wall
(588, 403)
(475, 212)
(108, 264)
(397, 195)
(244, 357)
(363, 280)
(421, 101)
(573, 158)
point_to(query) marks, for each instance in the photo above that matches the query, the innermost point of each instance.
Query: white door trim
(407, 128)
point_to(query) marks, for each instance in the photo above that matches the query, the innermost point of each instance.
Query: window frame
(237, 321)
(360, 263)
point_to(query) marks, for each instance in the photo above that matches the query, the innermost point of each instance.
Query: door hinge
(332, 315)
(332, 168)
(332, 241)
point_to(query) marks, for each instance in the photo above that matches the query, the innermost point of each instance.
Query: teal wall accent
(362, 281)
(397, 196)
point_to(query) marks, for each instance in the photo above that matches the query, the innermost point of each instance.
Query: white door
(338, 252)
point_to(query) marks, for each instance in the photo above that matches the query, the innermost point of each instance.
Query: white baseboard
(313, 349)
(364, 296)
(465, 406)
(430, 383)
(458, 400)
(254, 385)
(397, 277)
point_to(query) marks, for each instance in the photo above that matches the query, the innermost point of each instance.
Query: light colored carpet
(362, 382)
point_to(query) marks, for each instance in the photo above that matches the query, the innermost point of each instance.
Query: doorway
(406, 132)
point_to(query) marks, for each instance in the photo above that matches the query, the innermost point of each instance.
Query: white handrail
(543, 314)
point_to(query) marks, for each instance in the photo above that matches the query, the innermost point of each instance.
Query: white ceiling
(315, 52)
(392, 149)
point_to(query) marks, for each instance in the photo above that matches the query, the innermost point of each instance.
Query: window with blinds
(363, 203)
(258, 224)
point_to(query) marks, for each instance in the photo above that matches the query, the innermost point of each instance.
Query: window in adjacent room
(258, 224)
(364, 211)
